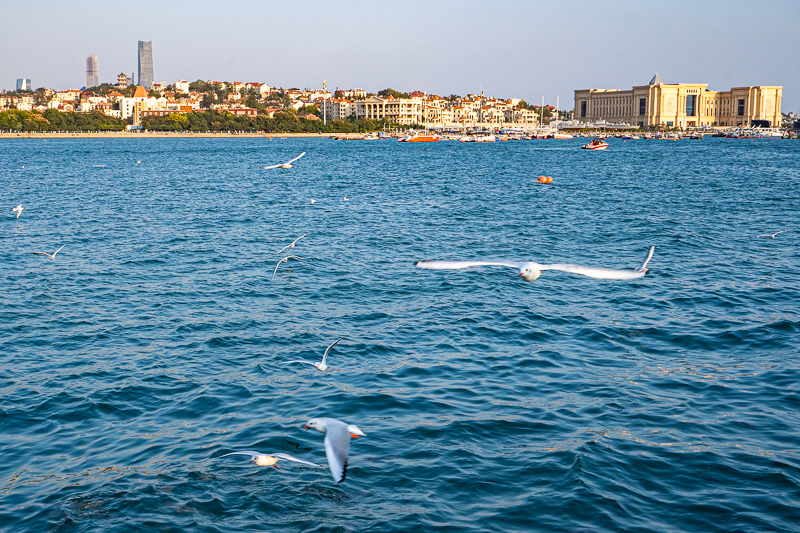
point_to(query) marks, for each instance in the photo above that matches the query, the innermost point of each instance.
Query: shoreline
(155, 134)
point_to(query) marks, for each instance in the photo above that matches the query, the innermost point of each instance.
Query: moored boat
(420, 138)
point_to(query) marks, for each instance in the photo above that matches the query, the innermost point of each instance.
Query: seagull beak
(306, 426)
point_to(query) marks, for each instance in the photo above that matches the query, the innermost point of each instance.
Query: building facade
(681, 105)
(92, 73)
(23, 84)
(146, 64)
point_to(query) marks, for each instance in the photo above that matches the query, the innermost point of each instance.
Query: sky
(509, 48)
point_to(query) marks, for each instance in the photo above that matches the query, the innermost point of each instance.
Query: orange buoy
(549, 179)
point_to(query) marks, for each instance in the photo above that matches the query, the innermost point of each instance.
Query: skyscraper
(23, 84)
(146, 63)
(92, 74)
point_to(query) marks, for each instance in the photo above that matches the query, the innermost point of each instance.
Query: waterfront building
(397, 110)
(23, 84)
(681, 105)
(146, 64)
(92, 73)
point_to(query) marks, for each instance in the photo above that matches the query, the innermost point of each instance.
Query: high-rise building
(23, 84)
(146, 63)
(92, 74)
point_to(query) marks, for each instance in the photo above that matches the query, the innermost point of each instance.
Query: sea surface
(153, 344)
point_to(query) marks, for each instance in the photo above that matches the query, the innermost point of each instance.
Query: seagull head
(530, 271)
(316, 423)
(322, 367)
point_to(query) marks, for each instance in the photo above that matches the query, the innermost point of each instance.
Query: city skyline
(511, 48)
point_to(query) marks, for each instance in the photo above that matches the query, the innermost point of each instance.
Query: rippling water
(152, 345)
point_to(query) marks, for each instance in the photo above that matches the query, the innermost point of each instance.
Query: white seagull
(269, 459)
(288, 164)
(17, 210)
(529, 271)
(322, 366)
(285, 259)
(312, 200)
(52, 257)
(337, 443)
(293, 243)
(770, 236)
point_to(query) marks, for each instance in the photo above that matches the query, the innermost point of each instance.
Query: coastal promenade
(152, 134)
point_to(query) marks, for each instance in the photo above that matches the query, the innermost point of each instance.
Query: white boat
(595, 145)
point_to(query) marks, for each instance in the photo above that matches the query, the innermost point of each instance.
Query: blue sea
(153, 344)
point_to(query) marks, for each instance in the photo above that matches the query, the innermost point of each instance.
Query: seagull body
(293, 243)
(52, 257)
(529, 271)
(346, 199)
(337, 442)
(322, 366)
(17, 210)
(288, 164)
(270, 459)
(312, 200)
(285, 259)
(770, 236)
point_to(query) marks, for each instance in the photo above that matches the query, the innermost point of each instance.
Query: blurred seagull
(52, 257)
(346, 199)
(337, 443)
(285, 259)
(312, 200)
(322, 366)
(770, 236)
(269, 459)
(293, 243)
(17, 210)
(288, 164)
(529, 271)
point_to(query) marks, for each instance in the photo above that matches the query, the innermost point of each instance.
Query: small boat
(420, 138)
(595, 145)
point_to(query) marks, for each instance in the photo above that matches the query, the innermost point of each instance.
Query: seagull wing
(285, 247)
(337, 445)
(252, 455)
(596, 272)
(298, 361)
(276, 269)
(449, 265)
(300, 237)
(295, 459)
(42, 253)
(273, 166)
(325, 355)
(646, 260)
(54, 253)
(295, 159)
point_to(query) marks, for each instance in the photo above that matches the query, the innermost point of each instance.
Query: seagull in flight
(285, 259)
(770, 236)
(270, 459)
(52, 257)
(17, 210)
(337, 442)
(322, 366)
(293, 243)
(529, 271)
(288, 164)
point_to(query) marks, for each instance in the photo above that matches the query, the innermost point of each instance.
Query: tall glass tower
(92, 74)
(146, 64)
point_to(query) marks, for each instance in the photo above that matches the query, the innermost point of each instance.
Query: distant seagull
(322, 366)
(346, 199)
(293, 243)
(17, 210)
(269, 459)
(337, 443)
(770, 236)
(530, 271)
(52, 257)
(288, 164)
(312, 200)
(139, 161)
(285, 259)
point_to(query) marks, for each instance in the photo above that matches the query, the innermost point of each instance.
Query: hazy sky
(515, 48)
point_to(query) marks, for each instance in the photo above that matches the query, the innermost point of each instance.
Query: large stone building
(681, 105)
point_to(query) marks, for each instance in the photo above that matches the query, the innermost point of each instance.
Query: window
(583, 109)
(690, 100)
(740, 106)
(642, 106)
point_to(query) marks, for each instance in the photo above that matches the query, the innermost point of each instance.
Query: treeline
(285, 121)
(54, 120)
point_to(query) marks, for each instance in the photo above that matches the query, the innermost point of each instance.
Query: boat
(420, 138)
(596, 144)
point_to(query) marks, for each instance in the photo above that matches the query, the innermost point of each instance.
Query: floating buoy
(542, 179)
(549, 179)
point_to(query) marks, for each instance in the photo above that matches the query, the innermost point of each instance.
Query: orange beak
(354, 435)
